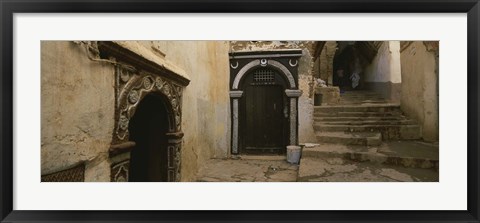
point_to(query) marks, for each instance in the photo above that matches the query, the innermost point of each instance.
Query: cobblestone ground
(276, 169)
(269, 169)
(340, 170)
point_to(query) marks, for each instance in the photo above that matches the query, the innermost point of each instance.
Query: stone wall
(77, 107)
(78, 102)
(383, 74)
(206, 114)
(325, 62)
(305, 78)
(420, 85)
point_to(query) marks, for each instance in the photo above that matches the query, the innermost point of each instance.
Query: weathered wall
(383, 75)
(419, 99)
(326, 61)
(77, 104)
(205, 107)
(305, 79)
(306, 133)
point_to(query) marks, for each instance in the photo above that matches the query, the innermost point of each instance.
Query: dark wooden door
(264, 119)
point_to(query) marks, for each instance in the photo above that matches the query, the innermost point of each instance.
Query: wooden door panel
(264, 117)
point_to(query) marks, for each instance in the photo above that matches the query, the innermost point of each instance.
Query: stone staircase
(365, 127)
(363, 118)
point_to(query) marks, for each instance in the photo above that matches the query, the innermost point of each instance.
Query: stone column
(235, 95)
(173, 153)
(326, 61)
(119, 155)
(293, 95)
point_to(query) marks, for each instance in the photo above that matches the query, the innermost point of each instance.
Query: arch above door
(265, 63)
(285, 62)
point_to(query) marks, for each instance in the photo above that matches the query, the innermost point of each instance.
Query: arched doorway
(264, 101)
(155, 92)
(264, 114)
(343, 64)
(148, 129)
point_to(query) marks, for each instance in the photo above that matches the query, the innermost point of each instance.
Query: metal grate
(75, 174)
(264, 76)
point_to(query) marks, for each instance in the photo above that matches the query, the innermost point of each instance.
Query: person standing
(341, 80)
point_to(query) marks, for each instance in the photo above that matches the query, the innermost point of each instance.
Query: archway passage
(148, 129)
(264, 113)
(344, 66)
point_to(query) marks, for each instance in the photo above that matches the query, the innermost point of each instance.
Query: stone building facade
(90, 91)
(100, 98)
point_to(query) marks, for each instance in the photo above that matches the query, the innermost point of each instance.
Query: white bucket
(293, 154)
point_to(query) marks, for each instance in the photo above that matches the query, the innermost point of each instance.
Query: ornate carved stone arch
(135, 77)
(134, 87)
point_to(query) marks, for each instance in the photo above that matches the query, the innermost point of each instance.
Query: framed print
(239, 111)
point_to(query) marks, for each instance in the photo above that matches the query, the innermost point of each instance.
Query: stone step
(367, 122)
(360, 93)
(348, 138)
(407, 153)
(361, 96)
(389, 132)
(361, 101)
(373, 97)
(358, 108)
(356, 114)
(356, 118)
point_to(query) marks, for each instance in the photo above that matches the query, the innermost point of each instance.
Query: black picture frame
(9, 7)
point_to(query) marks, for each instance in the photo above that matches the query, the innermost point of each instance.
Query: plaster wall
(205, 106)
(77, 108)
(420, 87)
(78, 102)
(383, 74)
(326, 62)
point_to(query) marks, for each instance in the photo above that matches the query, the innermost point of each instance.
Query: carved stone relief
(132, 87)
(135, 77)
(119, 171)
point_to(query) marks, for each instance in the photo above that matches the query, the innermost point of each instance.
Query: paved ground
(332, 169)
(341, 170)
(405, 161)
(414, 149)
(414, 154)
(248, 169)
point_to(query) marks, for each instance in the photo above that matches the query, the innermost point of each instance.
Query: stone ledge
(371, 154)
(145, 58)
(330, 95)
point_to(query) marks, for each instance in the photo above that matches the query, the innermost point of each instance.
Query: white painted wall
(385, 66)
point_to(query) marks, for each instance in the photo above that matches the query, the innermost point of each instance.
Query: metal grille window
(264, 76)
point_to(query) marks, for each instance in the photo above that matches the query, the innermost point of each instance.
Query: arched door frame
(135, 77)
(135, 86)
(292, 93)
